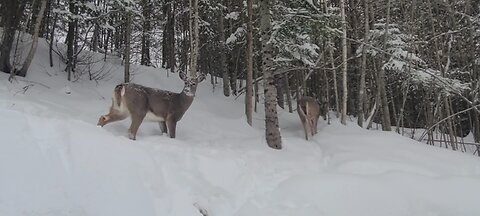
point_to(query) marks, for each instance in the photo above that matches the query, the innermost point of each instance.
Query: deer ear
(201, 77)
(182, 75)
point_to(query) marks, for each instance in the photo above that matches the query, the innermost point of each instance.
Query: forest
(412, 67)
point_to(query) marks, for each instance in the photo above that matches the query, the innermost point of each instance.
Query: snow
(54, 160)
(233, 15)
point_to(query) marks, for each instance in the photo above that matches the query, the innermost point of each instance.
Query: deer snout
(102, 121)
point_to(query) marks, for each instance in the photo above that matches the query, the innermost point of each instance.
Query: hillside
(54, 160)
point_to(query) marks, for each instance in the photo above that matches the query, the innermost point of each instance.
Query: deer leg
(306, 127)
(136, 122)
(171, 127)
(163, 127)
(312, 127)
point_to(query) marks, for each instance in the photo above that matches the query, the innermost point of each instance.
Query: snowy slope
(54, 160)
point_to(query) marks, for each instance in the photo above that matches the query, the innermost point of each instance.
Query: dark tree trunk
(70, 41)
(168, 44)
(147, 13)
(11, 16)
(249, 84)
(223, 59)
(127, 47)
(23, 71)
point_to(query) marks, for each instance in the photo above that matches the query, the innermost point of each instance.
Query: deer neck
(186, 99)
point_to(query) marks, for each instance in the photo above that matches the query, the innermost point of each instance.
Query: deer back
(156, 103)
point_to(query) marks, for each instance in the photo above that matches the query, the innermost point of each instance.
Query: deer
(151, 104)
(309, 111)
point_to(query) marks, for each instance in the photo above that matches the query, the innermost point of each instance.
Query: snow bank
(54, 160)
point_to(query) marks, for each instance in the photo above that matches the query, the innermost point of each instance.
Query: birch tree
(194, 38)
(33, 49)
(272, 132)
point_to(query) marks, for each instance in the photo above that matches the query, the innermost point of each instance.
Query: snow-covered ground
(54, 160)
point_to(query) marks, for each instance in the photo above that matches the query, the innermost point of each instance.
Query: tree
(12, 12)
(361, 88)
(223, 54)
(386, 125)
(249, 85)
(194, 37)
(23, 71)
(272, 132)
(344, 63)
(146, 32)
(128, 35)
(70, 40)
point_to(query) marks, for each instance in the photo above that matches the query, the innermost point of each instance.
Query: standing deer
(309, 111)
(144, 103)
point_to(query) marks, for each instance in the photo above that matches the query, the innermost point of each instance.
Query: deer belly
(152, 117)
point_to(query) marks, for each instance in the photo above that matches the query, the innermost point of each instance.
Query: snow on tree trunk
(193, 37)
(271, 119)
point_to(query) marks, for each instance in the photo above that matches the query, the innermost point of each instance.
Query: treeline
(397, 64)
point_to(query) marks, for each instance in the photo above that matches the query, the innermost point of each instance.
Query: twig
(200, 209)
(444, 119)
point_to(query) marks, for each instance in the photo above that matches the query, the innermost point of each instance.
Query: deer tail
(301, 111)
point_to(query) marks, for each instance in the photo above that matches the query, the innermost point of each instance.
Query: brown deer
(309, 111)
(145, 103)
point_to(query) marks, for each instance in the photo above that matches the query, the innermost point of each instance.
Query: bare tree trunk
(168, 43)
(327, 97)
(249, 84)
(172, 38)
(194, 38)
(33, 49)
(386, 124)
(272, 132)
(344, 62)
(52, 39)
(289, 96)
(147, 12)
(12, 12)
(361, 91)
(335, 85)
(128, 33)
(280, 91)
(223, 56)
(71, 41)
(52, 35)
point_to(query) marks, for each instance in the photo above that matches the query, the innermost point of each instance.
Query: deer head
(190, 86)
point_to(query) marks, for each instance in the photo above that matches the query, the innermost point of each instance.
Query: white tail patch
(123, 91)
(154, 118)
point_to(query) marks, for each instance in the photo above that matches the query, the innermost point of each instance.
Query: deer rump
(309, 112)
